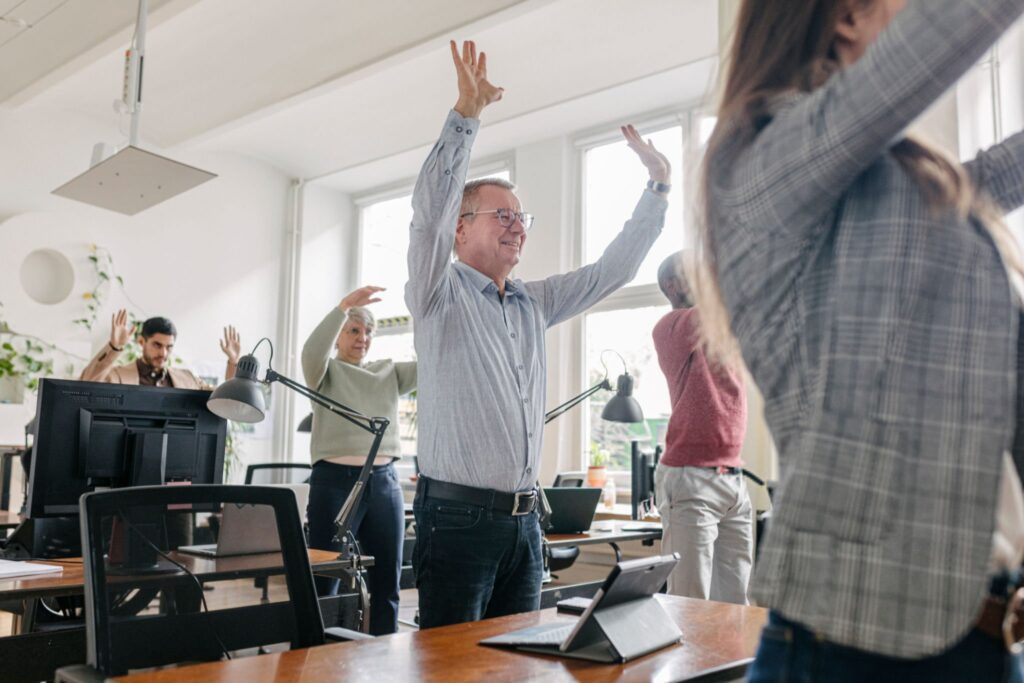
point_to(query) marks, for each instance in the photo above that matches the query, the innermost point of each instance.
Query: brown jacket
(102, 369)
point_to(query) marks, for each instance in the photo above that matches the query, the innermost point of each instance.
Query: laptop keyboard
(553, 637)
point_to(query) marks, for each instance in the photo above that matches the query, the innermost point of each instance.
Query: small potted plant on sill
(597, 472)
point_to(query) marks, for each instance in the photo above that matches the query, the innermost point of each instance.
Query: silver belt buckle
(520, 495)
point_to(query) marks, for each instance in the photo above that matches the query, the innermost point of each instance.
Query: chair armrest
(339, 635)
(78, 673)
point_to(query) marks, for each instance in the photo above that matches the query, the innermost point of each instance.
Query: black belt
(515, 504)
(721, 469)
(736, 470)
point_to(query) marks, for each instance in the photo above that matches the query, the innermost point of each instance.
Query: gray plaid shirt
(883, 335)
(482, 361)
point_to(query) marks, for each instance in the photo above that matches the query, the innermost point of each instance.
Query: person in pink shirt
(699, 487)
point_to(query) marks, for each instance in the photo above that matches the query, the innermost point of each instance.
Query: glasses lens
(505, 217)
(508, 218)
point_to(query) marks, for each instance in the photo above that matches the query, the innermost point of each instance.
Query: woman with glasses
(866, 279)
(339, 448)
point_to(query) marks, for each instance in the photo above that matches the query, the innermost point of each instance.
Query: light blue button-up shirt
(482, 363)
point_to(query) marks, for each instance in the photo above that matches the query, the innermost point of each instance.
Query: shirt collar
(483, 283)
(147, 370)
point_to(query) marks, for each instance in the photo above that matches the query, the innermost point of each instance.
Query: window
(399, 348)
(384, 241)
(384, 231)
(612, 181)
(628, 333)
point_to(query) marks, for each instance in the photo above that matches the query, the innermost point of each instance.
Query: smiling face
(481, 241)
(354, 341)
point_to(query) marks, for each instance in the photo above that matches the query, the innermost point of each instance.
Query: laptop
(248, 529)
(572, 509)
(623, 621)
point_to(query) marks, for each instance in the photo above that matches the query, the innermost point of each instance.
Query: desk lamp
(241, 399)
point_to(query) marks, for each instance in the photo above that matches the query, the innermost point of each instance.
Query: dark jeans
(474, 563)
(378, 525)
(790, 652)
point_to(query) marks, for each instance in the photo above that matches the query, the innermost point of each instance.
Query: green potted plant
(597, 472)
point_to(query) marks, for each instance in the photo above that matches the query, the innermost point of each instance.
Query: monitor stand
(134, 542)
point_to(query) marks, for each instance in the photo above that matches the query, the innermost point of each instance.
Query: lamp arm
(576, 400)
(343, 522)
(369, 424)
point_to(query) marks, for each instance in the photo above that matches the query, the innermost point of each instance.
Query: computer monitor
(642, 465)
(92, 435)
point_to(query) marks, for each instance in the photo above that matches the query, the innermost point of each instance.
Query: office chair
(570, 480)
(124, 544)
(558, 559)
(278, 473)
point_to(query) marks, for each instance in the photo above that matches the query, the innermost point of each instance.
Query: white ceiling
(354, 92)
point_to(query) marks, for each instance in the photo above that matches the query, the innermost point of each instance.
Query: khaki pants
(707, 520)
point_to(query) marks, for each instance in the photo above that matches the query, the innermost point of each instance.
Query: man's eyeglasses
(507, 217)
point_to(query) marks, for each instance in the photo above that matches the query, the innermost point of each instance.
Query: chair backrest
(570, 479)
(278, 473)
(143, 608)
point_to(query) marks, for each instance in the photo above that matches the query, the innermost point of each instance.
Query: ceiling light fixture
(133, 179)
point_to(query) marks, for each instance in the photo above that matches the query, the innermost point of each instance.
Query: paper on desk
(9, 568)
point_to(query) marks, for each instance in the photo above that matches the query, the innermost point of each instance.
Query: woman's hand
(364, 296)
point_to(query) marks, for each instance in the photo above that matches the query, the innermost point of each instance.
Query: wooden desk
(34, 656)
(608, 531)
(716, 636)
(71, 581)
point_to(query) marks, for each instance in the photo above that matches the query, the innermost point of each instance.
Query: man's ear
(141, 340)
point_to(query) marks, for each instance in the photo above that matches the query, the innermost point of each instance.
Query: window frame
(633, 296)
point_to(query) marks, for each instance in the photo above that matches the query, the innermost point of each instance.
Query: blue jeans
(474, 563)
(790, 652)
(378, 525)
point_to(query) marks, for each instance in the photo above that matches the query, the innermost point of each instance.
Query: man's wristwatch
(660, 188)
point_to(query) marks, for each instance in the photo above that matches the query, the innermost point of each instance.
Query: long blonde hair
(782, 46)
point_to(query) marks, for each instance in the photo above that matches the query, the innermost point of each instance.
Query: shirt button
(520, 366)
(447, 172)
(526, 400)
(469, 131)
(458, 129)
(513, 335)
(529, 470)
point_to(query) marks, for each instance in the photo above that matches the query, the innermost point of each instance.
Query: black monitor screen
(93, 435)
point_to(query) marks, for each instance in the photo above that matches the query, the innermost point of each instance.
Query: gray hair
(363, 315)
(472, 189)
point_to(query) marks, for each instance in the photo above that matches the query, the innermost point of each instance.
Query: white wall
(207, 258)
(327, 266)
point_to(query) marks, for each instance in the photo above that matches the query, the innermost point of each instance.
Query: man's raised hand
(657, 164)
(475, 91)
(120, 330)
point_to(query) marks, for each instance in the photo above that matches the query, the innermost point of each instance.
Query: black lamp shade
(622, 407)
(306, 425)
(241, 397)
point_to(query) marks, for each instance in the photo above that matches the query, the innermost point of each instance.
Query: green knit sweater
(371, 389)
